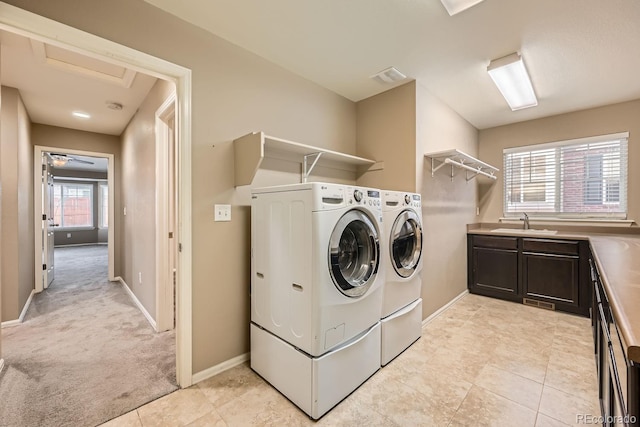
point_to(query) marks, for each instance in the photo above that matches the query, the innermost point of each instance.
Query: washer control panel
(365, 197)
(412, 200)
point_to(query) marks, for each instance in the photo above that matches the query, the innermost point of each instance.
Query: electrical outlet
(68, 235)
(222, 213)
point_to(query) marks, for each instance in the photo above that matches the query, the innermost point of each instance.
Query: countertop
(616, 252)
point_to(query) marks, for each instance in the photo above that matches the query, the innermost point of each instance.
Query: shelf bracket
(306, 169)
(435, 168)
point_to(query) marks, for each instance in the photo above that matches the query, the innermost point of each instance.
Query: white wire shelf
(458, 159)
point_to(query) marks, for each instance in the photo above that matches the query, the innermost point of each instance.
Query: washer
(401, 318)
(316, 290)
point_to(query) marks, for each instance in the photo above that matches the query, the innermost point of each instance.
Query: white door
(47, 222)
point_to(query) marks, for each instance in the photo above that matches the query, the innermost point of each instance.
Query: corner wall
(596, 121)
(448, 205)
(16, 157)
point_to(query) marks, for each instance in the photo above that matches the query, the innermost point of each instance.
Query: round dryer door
(406, 243)
(354, 253)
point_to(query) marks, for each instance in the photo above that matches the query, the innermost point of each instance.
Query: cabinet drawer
(550, 246)
(495, 242)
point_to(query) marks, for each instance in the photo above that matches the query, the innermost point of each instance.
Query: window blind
(584, 177)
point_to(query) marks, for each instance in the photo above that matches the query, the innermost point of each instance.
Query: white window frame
(62, 226)
(552, 207)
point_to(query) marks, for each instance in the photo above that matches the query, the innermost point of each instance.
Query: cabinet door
(551, 277)
(495, 272)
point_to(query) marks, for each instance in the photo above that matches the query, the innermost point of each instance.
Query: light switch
(222, 213)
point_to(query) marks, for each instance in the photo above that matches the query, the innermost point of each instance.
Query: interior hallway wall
(16, 157)
(614, 118)
(234, 92)
(63, 138)
(448, 205)
(138, 196)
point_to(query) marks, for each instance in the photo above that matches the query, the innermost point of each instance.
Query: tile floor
(483, 362)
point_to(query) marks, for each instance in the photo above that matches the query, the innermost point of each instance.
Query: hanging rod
(476, 171)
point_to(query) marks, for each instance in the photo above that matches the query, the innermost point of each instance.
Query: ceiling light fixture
(512, 79)
(81, 115)
(388, 75)
(457, 6)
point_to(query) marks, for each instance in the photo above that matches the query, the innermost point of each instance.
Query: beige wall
(447, 205)
(398, 127)
(386, 129)
(57, 137)
(16, 157)
(597, 121)
(138, 196)
(234, 93)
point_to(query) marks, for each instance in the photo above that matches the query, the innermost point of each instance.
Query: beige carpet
(85, 353)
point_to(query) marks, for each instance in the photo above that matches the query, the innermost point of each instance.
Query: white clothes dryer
(401, 318)
(316, 290)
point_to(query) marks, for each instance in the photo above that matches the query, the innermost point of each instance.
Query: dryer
(316, 290)
(401, 316)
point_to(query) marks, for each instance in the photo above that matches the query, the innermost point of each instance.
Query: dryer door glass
(354, 253)
(406, 243)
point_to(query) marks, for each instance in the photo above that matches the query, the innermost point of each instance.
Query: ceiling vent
(390, 75)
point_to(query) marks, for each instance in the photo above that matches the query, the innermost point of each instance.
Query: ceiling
(579, 53)
(54, 82)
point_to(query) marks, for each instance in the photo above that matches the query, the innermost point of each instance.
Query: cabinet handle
(616, 378)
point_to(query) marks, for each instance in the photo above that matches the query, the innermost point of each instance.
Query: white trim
(137, 302)
(1, 365)
(581, 221)
(555, 144)
(23, 313)
(40, 28)
(164, 275)
(221, 367)
(444, 308)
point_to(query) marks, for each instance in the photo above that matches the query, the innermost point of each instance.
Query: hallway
(85, 353)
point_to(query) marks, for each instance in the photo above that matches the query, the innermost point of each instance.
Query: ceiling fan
(59, 160)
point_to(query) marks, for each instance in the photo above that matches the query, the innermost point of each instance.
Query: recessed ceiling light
(81, 115)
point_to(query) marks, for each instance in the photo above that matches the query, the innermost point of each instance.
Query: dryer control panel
(412, 200)
(365, 197)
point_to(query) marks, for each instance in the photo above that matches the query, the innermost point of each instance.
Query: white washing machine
(316, 290)
(401, 319)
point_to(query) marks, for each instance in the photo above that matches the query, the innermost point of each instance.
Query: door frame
(55, 33)
(38, 151)
(165, 246)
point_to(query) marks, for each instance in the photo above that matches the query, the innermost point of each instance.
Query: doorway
(45, 218)
(39, 28)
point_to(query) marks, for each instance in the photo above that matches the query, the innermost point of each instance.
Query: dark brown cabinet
(494, 263)
(548, 273)
(618, 377)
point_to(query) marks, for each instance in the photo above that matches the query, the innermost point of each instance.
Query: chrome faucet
(525, 226)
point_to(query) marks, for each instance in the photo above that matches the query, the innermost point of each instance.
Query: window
(584, 177)
(73, 205)
(104, 206)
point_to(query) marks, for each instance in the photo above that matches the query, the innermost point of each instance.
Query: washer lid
(354, 250)
(406, 243)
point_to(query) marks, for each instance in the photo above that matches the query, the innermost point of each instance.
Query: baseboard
(137, 302)
(444, 308)
(1, 365)
(23, 313)
(221, 367)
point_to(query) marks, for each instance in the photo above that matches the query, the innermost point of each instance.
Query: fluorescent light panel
(81, 115)
(512, 79)
(457, 6)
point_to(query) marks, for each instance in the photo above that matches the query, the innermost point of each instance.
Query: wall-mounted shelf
(251, 149)
(458, 159)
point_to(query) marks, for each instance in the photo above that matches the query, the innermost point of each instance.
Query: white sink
(521, 231)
